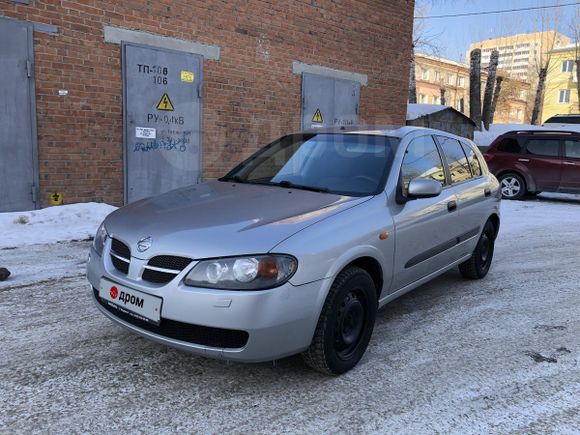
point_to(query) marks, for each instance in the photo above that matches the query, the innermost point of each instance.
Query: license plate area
(140, 305)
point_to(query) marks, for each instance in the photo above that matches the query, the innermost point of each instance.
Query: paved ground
(494, 356)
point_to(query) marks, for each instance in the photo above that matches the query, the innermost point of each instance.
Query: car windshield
(344, 164)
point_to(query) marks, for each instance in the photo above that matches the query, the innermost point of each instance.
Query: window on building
(437, 76)
(436, 99)
(564, 96)
(456, 160)
(425, 74)
(451, 79)
(461, 81)
(423, 99)
(567, 66)
(422, 160)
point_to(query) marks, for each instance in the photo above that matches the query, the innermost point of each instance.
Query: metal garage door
(18, 165)
(162, 116)
(328, 102)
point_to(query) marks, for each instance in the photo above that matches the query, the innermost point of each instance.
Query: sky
(452, 36)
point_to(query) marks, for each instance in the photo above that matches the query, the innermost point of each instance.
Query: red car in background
(534, 161)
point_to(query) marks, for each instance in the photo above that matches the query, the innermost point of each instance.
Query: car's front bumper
(278, 322)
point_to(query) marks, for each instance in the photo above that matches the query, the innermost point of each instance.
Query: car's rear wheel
(513, 186)
(480, 262)
(345, 325)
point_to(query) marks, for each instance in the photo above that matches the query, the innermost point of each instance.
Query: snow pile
(416, 111)
(53, 224)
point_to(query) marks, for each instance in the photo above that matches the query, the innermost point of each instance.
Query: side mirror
(424, 188)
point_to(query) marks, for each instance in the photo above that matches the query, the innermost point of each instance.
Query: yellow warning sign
(317, 118)
(187, 76)
(56, 198)
(165, 103)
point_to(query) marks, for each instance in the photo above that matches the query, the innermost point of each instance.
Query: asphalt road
(493, 356)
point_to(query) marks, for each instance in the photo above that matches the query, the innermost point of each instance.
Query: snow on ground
(52, 224)
(499, 355)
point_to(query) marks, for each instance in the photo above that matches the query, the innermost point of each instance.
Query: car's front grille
(120, 256)
(197, 334)
(163, 268)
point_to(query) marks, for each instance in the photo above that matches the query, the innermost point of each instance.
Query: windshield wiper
(235, 178)
(289, 184)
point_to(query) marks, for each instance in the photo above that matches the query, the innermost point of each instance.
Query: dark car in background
(532, 161)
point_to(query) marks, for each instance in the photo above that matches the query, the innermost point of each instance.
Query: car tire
(512, 186)
(345, 325)
(480, 262)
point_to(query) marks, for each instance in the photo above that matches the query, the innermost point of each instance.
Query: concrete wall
(251, 94)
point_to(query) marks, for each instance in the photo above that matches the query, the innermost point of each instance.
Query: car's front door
(425, 229)
(543, 160)
(570, 181)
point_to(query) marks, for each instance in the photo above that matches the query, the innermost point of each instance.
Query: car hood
(216, 219)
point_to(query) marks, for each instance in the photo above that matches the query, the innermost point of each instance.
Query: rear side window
(456, 160)
(572, 148)
(472, 159)
(509, 145)
(422, 160)
(543, 147)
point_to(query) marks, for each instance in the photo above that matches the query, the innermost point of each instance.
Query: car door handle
(570, 163)
(523, 160)
(451, 206)
(487, 191)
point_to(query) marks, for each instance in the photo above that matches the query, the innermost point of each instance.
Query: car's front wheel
(345, 325)
(513, 186)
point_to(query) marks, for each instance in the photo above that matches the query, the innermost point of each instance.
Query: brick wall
(250, 93)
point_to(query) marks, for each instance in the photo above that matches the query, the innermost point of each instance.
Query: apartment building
(433, 74)
(561, 95)
(520, 54)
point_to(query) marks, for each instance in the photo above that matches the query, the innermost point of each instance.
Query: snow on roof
(416, 111)
(52, 224)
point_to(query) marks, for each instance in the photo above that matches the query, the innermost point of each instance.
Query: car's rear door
(570, 181)
(470, 187)
(425, 229)
(543, 160)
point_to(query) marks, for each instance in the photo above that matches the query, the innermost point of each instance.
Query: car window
(472, 159)
(344, 164)
(572, 148)
(456, 160)
(543, 147)
(422, 160)
(509, 145)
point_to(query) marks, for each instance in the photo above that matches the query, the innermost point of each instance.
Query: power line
(502, 11)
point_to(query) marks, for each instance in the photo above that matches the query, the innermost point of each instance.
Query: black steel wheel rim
(350, 323)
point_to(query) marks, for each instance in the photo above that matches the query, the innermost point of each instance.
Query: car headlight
(100, 239)
(255, 272)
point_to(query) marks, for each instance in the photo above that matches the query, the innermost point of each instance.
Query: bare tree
(475, 87)
(442, 94)
(543, 62)
(423, 40)
(496, 94)
(489, 87)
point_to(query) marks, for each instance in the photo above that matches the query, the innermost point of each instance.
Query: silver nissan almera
(297, 247)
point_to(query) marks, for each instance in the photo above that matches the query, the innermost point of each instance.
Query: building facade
(520, 55)
(111, 101)
(561, 94)
(433, 74)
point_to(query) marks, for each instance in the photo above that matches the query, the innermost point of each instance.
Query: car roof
(541, 133)
(398, 131)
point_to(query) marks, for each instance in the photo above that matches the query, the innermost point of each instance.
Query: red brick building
(250, 86)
